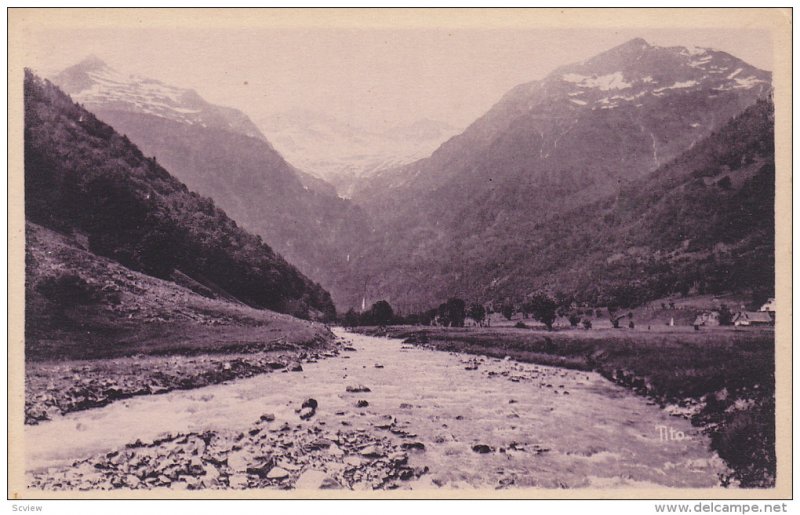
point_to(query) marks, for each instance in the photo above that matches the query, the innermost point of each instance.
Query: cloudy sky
(369, 77)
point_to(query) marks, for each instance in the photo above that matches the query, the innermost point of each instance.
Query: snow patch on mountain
(343, 153)
(604, 82)
(98, 86)
(678, 85)
(735, 73)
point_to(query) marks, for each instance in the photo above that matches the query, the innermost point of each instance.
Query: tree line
(542, 306)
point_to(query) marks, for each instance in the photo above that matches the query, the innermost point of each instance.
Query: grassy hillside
(97, 332)
(82, 177)
(83, 306)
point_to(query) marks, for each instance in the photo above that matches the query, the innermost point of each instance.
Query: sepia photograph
(399, 253)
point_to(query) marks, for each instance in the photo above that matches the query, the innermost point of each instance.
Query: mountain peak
(625, 50)
(634, 44)
(93, 83)
(90, 63)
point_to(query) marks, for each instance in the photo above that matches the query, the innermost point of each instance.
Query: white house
(769, 305)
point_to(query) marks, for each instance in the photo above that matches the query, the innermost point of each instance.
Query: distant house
(752, 318)
(707, 318)
(497, 319)
(561, 323)
(769, 306)
(470, 322)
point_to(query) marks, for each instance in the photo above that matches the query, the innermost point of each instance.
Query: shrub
(67, 289)
(520, 325)
(544, 308)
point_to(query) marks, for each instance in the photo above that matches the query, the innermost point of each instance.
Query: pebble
(371, 452)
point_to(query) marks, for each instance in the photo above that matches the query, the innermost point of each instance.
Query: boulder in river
(277, 473)
(481, 449)
(371, 451)
(362, 404)
(398, 458)
(238, 461)
(357, 389)
(261, 467)
(316, 480)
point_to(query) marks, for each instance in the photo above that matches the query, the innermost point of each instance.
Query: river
(484, 422)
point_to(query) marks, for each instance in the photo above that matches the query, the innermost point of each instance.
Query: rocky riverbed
(58, 388)
(380, 415)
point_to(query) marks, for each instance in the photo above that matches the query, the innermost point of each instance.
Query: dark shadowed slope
(219, 153)
(84, 179)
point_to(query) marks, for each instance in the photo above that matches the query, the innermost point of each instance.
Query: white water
(597, 435)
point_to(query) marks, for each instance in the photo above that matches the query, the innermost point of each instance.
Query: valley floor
(382, 415)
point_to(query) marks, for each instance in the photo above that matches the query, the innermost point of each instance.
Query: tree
(428, 317)
(442, 315)
(614, 317)
(477, 312)
(507, 310)
(574, 319)
(381, 313)
(412, 319)
(587, 324)
(455, 312)
(543, 307)
(350, 318)
(725, 315)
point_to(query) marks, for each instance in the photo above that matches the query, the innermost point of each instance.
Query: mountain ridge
(537, 155)
(84, 178)
(92, 82)
(299, 215)
(342, 153)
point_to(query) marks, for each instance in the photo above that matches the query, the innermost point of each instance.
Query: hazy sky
(367, 77)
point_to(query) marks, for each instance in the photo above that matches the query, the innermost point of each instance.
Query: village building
(769, 306)
(707, 318)
(471, 322)
(752, 318)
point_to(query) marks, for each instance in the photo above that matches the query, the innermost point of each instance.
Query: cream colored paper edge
(777, 21)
